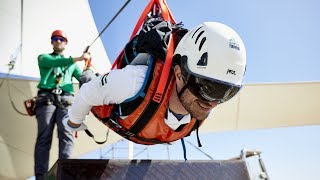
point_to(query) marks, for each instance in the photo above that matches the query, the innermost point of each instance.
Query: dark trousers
(48, 114)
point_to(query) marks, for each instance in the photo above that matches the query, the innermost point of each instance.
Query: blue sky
(282, 41)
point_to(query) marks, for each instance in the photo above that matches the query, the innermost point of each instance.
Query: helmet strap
(182, 90)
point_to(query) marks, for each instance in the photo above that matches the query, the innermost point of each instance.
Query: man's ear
(177, 72)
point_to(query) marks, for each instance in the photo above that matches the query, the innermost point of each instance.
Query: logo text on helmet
(233, 44)
(230, 71)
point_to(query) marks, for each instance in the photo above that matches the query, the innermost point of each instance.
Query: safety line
(114, 17)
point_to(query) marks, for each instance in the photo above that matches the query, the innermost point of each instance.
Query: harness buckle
(118, 128)
(128, 133)
(57, 91)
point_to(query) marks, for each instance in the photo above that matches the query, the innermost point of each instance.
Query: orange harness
(145, 124)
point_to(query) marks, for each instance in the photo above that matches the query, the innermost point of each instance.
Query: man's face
(58, 43)
(197, 108)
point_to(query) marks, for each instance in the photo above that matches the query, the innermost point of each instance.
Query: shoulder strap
(131, 104)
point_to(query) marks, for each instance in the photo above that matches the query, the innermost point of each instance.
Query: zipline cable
(114, 17)
(88, 63)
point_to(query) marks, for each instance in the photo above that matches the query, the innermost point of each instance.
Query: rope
(92, 136)
(7, 76)
(200, 150)
(11, 64)
(88, 63)
(114, 17)
(11, 101)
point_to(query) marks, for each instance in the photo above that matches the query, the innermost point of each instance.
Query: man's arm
(77, 73)
(47, 60)
(112, 88)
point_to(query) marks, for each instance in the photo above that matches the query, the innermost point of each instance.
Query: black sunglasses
(212, 90)
(56, 38)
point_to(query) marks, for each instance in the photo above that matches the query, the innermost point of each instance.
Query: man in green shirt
(54, 98)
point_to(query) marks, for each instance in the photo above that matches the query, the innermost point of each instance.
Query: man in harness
(53, 100)
(207, 70)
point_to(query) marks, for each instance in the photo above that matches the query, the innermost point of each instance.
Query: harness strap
(166, 13)
(129, 105)
(113, 124)
(184, 149)
(148, 113)
(92, 136)
(165, 72)
(182, 90)
(197, 131)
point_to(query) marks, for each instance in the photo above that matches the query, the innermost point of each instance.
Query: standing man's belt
(53, 91)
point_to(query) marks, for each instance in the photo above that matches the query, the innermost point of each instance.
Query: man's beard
(58, 49)
(188, 106)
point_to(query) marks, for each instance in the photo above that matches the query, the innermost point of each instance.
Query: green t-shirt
(53, 65)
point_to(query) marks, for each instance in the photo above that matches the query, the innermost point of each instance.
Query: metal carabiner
(57, 91)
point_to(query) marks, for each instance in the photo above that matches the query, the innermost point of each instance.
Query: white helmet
(213, 52)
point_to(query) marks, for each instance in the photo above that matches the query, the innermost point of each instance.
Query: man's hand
(69, 125)
(86, 56)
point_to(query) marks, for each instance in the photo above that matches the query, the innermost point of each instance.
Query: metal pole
(21, 36)
(130, 150)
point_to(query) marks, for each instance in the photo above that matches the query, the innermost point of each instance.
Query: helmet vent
(196, 31)
(202, 42)
(199, 35)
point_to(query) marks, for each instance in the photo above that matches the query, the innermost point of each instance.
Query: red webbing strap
(166, 14)
(165, 72)
(117, 59)
(171, 16)
(142, 18)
